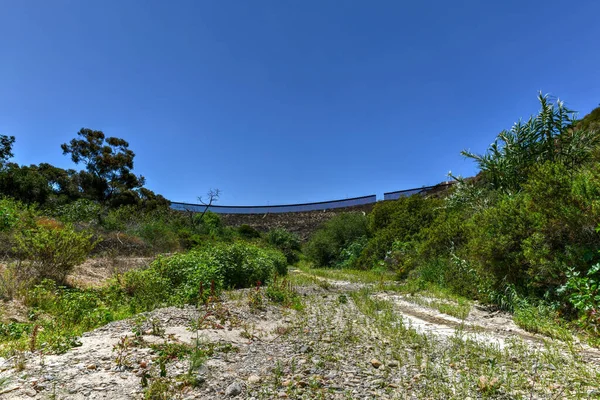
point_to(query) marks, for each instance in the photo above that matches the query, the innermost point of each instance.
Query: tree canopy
(6, 143)
(108, 163)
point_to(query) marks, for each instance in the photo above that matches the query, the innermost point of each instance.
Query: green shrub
(159, 235)
(550, 136)
(82, 210)
(530, 238)
(210, 223)
(118, 219)
(400, 220)
(326, 244)
(147, 289)
(9, 214)
(189, 277)
(65, 313)
(248, 232)
(583, 293)
(244, 265)
(282, 292)
(50, 250)
(287, 242)
(456, 274)
(350, 254)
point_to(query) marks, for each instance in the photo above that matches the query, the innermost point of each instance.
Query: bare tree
(212, 196)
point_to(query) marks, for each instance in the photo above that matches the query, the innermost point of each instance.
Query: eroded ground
(350, 340)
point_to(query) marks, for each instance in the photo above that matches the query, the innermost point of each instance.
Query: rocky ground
(348, 341)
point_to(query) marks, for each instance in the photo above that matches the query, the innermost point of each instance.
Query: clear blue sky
(285, 101)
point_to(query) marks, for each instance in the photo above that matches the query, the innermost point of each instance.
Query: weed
(19, 361)
(282, 292)
(33, 338)
(159, 389)
(157, 328)
(138, 325)
(255, 298)
(122, 349)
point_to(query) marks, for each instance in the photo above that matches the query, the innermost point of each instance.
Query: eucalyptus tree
(6, 144)
(108, 164)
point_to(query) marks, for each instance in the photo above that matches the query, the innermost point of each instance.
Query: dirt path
(481, 324)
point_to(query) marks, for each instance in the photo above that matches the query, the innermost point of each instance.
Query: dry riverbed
(349, 341)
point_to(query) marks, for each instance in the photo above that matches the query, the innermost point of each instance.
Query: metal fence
(323, 205)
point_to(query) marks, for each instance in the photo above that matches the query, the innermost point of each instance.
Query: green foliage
(26, 184)
(209, 223)
(400, 220)
(80, 211)
(9, 214)
(287, 242)
(548, 136)
(63, 314)
(529, 238)
(120, 218)
(350, 254)
(107, 178)
(190, 277)
(583, 293)
(282, 292)
(244, 265)
(6, 144)
(326, 244)
(108, 160)
(147, 289)
(160, 389)
(248, 232)
(50, 250)
(159, 235)
(590, 122)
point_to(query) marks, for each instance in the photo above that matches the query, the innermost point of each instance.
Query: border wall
(287, 208)
(306, 207)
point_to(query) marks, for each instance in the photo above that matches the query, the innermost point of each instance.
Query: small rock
(376, 363)
(392, 364)
(234, 389)
(254, 379)
(305, 349)
(91, 366)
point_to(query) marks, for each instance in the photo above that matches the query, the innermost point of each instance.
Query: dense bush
(401, 221)
(287, 242)
(80, 211)
(583, 293)
(531, 238)
(185, 277)
(350, 254)
(9, 214)
(248, 232)
(159, 235)
(51, 250)
(326, 244)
